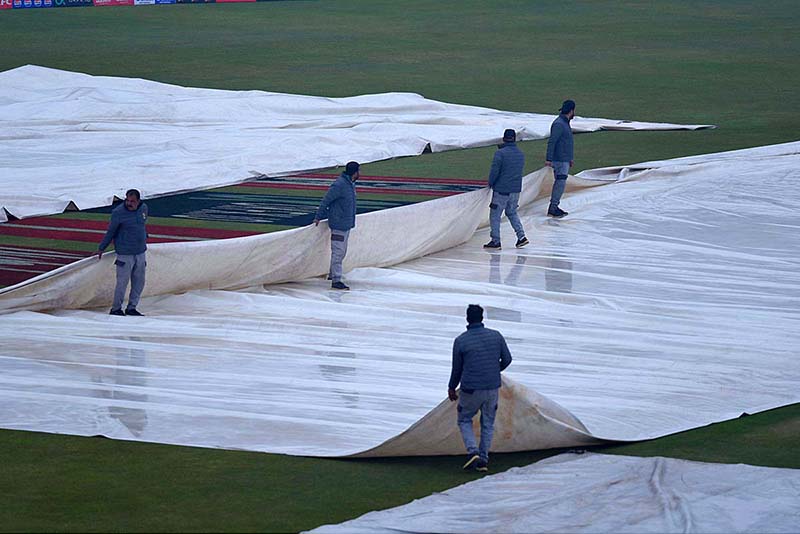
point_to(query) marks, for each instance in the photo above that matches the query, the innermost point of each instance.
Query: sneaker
(556, 212)
(472, 461)
(339, 285)
(482, 466)
(117, 312)
(134, 312)
(522, 241)
(493, 245)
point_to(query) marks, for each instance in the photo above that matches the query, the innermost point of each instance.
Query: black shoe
(329, 277)
(482, 466)
(493, 245)
(556, 212)
(134, 312)
(117, 312)
(339, 285)
(472, 461)
(522, 241)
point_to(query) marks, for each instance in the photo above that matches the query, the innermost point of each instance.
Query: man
(560, 155)
(339, 207)
(505, 180)
(127, 230)
(479, 355)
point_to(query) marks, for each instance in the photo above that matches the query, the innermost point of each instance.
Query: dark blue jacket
(339, 204)
(479, 354)
(505, 175)
(127, 230)
(559, 146)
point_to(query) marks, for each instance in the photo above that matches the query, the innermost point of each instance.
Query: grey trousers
(484, 400)
(504, 202)
(560, 171)
(338, 252)
(130, 268)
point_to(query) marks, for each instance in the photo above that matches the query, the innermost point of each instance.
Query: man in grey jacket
(505, 180)
(560, 155)
(339, 207)
(127, 230)
(479, 355)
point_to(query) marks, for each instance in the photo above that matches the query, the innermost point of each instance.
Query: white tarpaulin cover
(662, 303)
(67, 137)
(602, 493)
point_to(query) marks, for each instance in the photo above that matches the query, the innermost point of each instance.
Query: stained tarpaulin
(602, 493)
(71, 139)
(664, 301)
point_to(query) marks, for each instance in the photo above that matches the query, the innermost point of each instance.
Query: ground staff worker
(560, 155)
(339, 207)
(505, 181)
(479, 355)
(127, 230)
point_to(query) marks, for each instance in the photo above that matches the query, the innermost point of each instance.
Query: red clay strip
(183, 231)
(359, 189)
(401, 179)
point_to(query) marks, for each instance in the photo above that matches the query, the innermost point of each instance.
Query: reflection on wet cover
(558, 274)
(495, 275)
(341, 373)
(557, 278)
(127, 378)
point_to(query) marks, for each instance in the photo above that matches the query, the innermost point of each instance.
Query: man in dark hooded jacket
(339, 207)
(505, 180)
(560, 155)
(127, 230)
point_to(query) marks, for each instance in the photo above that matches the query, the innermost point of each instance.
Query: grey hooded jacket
(508, 163)
(559, 146)
(339, 204)
(127, 229)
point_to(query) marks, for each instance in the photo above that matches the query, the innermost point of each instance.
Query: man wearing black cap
(505, 180)
(339, 207)
(560, 155)
(479, 355)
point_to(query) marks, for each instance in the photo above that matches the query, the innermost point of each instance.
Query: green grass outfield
(730, 63)
(67, 483)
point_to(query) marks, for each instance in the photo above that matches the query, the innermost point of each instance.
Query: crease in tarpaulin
(525, 420)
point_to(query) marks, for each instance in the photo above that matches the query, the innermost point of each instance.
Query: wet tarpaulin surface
(664, 301)
(75, 139)
(602, 493)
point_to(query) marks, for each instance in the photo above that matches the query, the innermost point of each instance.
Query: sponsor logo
(71, 3)
(144, 2)
(6, 4)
